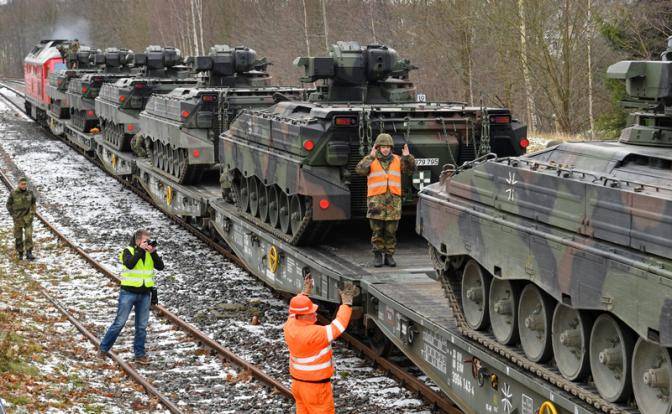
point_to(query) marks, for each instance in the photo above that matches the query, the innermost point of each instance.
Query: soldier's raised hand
(373, 152)
(404, 151)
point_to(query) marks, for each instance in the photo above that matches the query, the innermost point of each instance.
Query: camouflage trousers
(23, 235)
(384, 235)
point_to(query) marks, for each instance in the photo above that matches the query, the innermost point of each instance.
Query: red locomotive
(46, 57)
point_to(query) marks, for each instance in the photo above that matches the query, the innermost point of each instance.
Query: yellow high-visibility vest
(141, 274)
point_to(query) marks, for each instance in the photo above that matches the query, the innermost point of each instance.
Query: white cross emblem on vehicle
(421, 179)
(507, 396)
(511, 181)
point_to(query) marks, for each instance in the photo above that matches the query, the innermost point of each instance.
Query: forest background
(544, 59)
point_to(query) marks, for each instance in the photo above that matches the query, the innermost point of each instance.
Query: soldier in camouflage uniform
(384, 209)
(72, 62)
(21, 206)
(139, 146)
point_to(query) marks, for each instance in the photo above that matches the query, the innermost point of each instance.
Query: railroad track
(176, 353)
(408, 380)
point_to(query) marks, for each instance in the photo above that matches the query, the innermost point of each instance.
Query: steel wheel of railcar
(535, 311)
(283, 212)
(254, 195)
(571, 330)
(273, 206)
(652, 377)
(503, 311)
(244, 200)
(263, 200)
(475, 287)
(297, 210)
(610, 355)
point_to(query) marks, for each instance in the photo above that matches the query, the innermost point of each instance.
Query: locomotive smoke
(72, 29)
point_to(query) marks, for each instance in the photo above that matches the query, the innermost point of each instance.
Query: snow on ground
(199, 284)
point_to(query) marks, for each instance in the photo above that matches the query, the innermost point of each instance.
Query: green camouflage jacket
(385, 206)
(21, 205)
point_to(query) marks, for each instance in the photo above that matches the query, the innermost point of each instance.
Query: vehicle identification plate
(423, 162)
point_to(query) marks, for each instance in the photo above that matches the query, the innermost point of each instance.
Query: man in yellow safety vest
(139, 262)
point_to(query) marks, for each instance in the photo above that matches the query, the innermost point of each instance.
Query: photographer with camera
(139, 261)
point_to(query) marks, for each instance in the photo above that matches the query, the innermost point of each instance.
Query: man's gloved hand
(348, 293)
(307, 285)
(155, 296)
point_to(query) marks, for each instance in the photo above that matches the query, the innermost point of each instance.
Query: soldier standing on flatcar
(384, 171)
(21, 206)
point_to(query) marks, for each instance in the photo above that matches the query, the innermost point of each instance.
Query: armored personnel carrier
(568, 252)
(292, 164)
(58, 81)
(82, 91)
(182, 126)
(119, 104)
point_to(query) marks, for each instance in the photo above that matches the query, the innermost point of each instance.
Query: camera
(152, 243)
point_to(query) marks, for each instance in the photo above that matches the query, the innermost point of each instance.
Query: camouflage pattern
(310, 149)
(182, 124)
(384, 235)
(21, 206)
(385, 206)
(140, 145)
(590, 223)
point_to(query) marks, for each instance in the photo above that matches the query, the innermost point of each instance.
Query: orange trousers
(313, 398)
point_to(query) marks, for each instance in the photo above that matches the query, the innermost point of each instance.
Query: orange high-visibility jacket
(310, 346)
(379, 180)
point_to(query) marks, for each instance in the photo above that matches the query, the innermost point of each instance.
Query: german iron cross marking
(511, 181)
(422, 179)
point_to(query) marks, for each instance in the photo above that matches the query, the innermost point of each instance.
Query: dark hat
(23, 180)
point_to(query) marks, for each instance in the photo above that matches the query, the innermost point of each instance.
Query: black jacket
(130, 260)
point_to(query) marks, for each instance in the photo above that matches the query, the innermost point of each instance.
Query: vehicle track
(198, 293)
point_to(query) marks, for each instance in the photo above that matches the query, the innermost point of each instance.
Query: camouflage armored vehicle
(57, 87)
(568, 251)
(292, 165)
(181, 127)
(119, 104)
(82, 91)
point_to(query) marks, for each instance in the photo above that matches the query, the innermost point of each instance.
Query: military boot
(29, 255)
(377, 259)
(389, 260)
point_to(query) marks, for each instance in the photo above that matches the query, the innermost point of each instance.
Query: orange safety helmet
(302, 305)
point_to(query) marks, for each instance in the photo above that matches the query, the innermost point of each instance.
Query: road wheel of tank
(475, 288)
(244, 199)
(535, 311)
(273, 206)
(297, 211)
(503, 309)
(571, 331)
(283, 212)
(652, 377)
(254, 195)
(610, 358)
(263, 200)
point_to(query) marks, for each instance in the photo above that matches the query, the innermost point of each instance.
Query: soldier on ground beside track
(139, 262)
(139, 146)
(384, 171)
(21, 206)
(310, 354)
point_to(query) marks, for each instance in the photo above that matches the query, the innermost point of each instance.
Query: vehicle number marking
(424, 162)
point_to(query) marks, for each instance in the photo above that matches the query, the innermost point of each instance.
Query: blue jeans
(127, 300)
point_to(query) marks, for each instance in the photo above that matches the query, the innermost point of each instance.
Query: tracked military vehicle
(183, 125)
(292, 165)
(82, 91)
(568, 251)
(58, 81)
(119, 104)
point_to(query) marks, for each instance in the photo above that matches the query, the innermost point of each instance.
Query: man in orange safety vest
(310, 354)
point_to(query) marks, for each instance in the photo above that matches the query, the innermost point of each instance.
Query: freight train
(279, 172)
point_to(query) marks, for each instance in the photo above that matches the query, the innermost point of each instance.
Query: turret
(116, 60)
(161, 62)
(232, 67)
(648, 85)
(354, 73)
